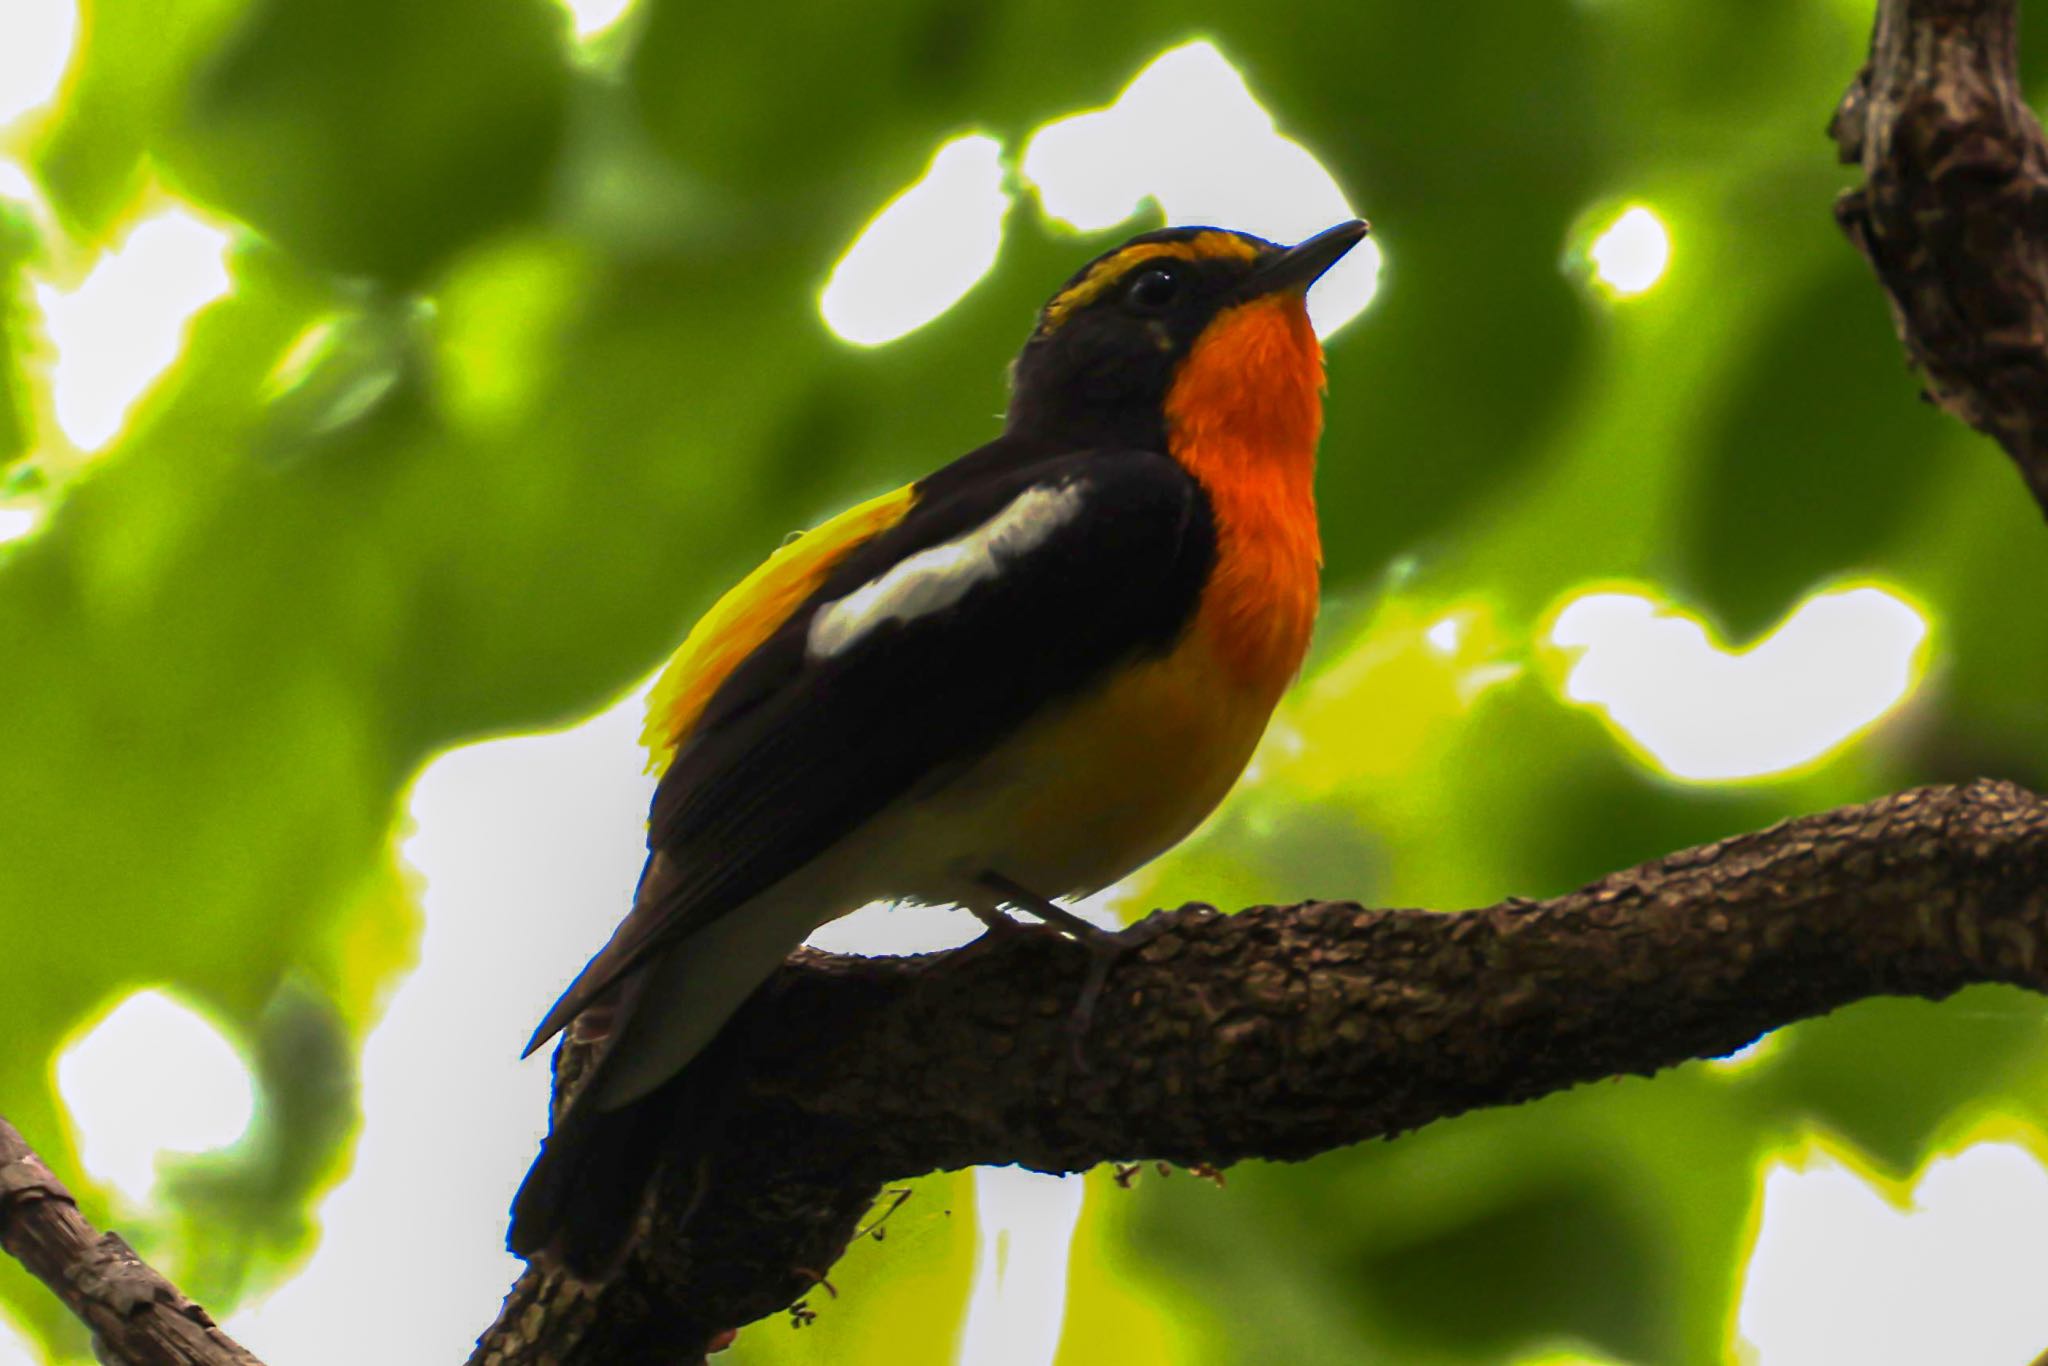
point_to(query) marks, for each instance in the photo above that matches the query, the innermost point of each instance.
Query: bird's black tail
(581, 1199)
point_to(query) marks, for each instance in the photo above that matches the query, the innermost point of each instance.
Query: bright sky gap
(1705, 713)
(1631, 254)
(1187, 133)
(548, 829)
(125, 324)
(17, 1347)
(40, 37)
(151, 1077)
(1017, 1307)
(17, 522)
(924, 250)
(1949, 1273)
(589, 18)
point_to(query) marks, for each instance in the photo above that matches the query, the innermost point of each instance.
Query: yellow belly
(1095, 788)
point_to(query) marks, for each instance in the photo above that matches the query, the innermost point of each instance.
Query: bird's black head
(1107, 346)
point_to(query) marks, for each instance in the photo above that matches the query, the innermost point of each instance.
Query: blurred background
(385, 387)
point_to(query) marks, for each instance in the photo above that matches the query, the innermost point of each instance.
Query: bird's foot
(1105, 948)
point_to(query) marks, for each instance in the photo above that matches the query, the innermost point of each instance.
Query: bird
(1017, 679)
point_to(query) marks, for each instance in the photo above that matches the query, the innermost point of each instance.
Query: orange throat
(1243, 417)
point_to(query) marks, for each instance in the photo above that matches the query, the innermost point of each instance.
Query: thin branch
(1281, 1032)
(1954, 212)
(137, 1317)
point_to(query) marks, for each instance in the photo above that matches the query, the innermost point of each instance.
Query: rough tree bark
(136, 1316)
(1285, 1031)
(1953, 212)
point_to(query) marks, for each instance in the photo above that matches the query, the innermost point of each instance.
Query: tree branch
(1286, 1031)
(1281, 1032)
(1953, 212)
(137, 1317)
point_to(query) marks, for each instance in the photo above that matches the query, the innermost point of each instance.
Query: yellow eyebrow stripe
(749, 613)
(1205, 246)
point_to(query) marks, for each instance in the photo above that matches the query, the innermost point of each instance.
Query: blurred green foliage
(522, 364)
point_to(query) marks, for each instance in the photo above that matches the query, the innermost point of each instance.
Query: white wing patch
(933, 580)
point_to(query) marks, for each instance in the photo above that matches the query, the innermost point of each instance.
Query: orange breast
(1096, 787)
(1243, 416)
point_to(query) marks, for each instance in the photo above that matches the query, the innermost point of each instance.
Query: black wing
(795, 751)
(798, 748)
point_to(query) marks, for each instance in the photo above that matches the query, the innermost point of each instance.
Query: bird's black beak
(1302, 264)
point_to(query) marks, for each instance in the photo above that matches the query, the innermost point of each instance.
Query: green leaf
(378, 136)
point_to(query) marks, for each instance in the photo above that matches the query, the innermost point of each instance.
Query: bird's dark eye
(1153, 290)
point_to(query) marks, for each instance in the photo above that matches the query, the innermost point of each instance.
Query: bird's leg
(1044, 908)
(990, 914)
(1104, 948)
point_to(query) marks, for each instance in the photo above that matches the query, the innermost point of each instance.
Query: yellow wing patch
(1104, 274)
(749, 613)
